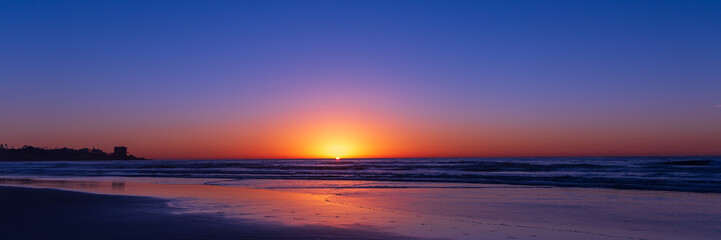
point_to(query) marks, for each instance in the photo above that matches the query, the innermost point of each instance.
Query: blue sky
(84, 67)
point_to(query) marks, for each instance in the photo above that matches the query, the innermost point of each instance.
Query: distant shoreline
(30, 153)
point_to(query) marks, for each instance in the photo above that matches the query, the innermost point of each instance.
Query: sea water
(692, 174)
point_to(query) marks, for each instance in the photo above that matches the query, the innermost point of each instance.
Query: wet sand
(31, 213)
(308, 209)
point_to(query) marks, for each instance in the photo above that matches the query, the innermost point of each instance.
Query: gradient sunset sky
(307, 79)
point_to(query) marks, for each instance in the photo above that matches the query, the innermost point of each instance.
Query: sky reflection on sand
(438, 210)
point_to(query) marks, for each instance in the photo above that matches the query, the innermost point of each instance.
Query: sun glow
(337, 150)
(326, 134)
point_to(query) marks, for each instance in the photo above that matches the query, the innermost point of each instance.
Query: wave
(691, 174)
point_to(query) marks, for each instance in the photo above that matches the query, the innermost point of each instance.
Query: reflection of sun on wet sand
(55, 214)
(456, 211)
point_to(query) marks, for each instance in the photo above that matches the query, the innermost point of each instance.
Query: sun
(337, 150)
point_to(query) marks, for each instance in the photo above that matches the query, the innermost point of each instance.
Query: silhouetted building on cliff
(120, 151)
(30, 153)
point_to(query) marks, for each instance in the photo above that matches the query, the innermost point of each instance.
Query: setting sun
(337, 150)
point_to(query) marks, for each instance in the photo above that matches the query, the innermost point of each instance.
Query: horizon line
(362, 158)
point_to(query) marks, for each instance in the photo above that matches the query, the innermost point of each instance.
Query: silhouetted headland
(30, 153)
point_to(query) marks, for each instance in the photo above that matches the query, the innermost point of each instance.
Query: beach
(29, 213)
(169, 208)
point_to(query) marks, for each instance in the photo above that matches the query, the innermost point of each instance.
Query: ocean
(689, 174)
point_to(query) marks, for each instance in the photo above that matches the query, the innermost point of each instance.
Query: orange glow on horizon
(355, 131)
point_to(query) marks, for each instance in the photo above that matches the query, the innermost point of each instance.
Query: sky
(317, 79)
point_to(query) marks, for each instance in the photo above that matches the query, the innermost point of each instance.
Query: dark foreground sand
(28, 213)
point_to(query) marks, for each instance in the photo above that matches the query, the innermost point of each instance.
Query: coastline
(441, 211)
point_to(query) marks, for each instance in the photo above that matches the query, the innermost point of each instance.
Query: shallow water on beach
(432, 210)
(465, 198)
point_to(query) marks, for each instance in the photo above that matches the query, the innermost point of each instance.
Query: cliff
(30, 153)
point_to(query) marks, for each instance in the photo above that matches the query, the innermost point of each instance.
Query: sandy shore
(156, 208)
(31, 213)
